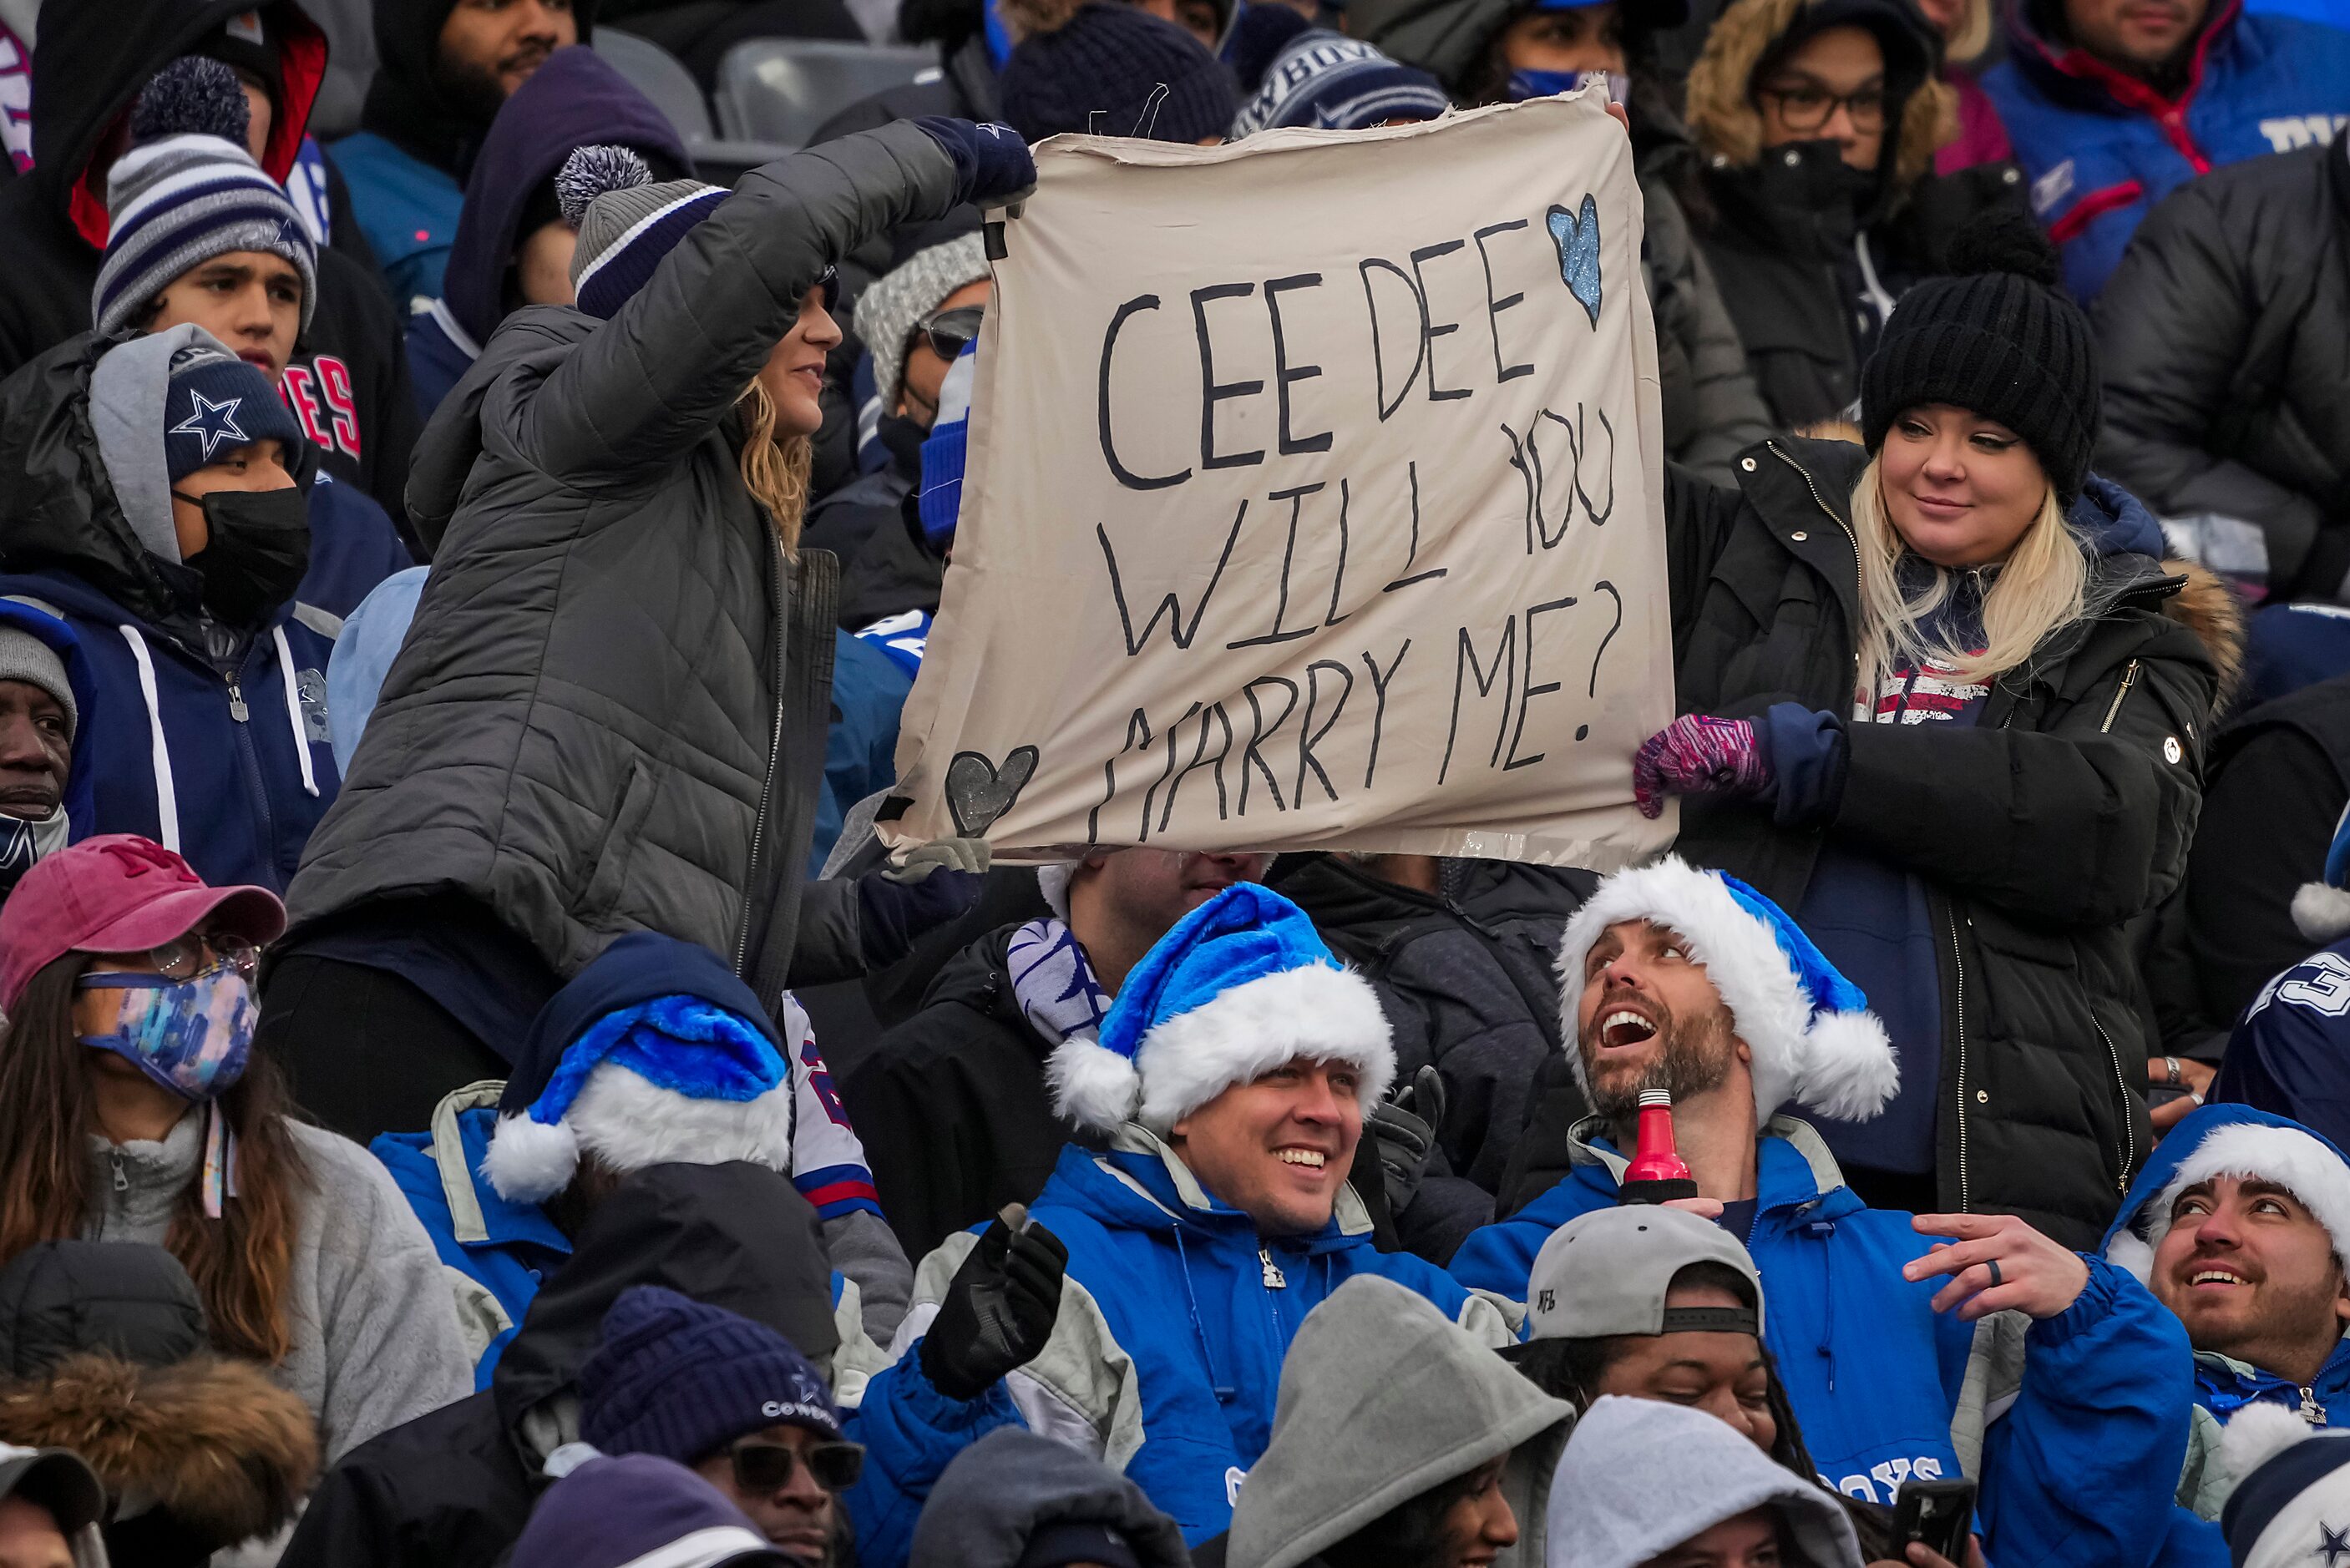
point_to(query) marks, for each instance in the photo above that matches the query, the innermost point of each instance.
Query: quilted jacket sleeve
(662, 372)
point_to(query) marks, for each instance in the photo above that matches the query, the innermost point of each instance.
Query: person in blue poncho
(2051, 1378)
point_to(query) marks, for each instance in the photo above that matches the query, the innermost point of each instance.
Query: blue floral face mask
(192, 1036)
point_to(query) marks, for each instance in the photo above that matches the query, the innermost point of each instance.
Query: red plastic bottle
(1657, 1171)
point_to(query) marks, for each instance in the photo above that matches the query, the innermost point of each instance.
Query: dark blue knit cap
(635, 969)
(679, 1379)
(1114, 69)
(617, 1512)
(217, 404)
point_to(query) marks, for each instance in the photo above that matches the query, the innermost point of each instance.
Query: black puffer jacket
(609, 714)
(452, 1489)
(2064, 811)
(2226, 332)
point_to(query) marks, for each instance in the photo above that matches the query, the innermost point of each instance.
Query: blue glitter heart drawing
(1577, 237)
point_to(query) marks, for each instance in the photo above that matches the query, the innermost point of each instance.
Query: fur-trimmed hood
(2210, 609)
(212, 1440)
(1728, 128)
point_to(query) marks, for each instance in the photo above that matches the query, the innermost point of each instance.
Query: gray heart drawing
(978, 790)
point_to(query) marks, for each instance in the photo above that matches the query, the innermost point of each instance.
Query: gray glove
(970, 854)
(1404, 1139)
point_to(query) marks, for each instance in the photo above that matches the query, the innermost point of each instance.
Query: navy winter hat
(1323, 81)
(639, 1512)
(625, 222)
(1113, 69)
(217, 404)
(679, 1379)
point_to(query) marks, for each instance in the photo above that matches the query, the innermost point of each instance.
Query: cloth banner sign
(1313, 498)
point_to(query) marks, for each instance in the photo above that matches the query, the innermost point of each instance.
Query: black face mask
(260, 546)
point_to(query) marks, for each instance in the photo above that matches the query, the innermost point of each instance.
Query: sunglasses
(947, 331)
(763, 1469)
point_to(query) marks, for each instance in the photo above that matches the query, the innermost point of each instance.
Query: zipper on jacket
(250, 750)
(775, 748)
(1853, 540)
(1275, 1280)
(236, 708)
(122, 1176)
(2129, 1134)
(2310, 1410)
(2129, 678)
(1958, 992)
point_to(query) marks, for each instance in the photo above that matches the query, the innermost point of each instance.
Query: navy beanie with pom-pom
(188, 192)
(627, 222)
(1106, 68)
(1999, 338)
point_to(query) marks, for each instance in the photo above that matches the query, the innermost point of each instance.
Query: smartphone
(1936, 1513)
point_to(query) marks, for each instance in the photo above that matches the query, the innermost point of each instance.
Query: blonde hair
(2042, 585)
(1972, 36)
(775, 472)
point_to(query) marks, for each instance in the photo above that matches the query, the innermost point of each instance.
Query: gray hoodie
(1382, 1398)
(1621, 1496)
(1001, 1490)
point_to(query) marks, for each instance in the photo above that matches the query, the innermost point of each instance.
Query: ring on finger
(2172, 1078)
(1992, 1264)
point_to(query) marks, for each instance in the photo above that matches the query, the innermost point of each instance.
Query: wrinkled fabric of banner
(1314, 499)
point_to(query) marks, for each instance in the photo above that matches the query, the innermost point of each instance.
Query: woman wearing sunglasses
(132, 1109)
(1818, 121)
(734, 1401)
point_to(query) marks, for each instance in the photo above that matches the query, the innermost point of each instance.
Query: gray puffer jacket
(609, 714)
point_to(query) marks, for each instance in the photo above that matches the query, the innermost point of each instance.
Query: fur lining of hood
(211, 1439)
(2210, 609)
(1721, 113)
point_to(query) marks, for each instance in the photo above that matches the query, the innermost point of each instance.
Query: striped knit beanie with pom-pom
(188, 192)
(626, 219)
(1998, 338)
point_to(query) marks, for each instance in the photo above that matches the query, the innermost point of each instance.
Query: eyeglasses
(763, 1469)
(184, 957)
(1805, 107)
(947, 331)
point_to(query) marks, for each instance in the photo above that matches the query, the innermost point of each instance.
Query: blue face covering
(192, 1036)
(1524, 85)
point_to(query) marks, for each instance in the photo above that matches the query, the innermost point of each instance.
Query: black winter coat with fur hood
(2062, 812)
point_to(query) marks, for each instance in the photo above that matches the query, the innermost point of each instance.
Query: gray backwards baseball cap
(1607, 1272)
(58, 1480)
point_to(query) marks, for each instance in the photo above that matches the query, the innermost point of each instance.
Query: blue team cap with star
(217, 404)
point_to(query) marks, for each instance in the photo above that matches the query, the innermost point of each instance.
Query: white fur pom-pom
(529, 1160)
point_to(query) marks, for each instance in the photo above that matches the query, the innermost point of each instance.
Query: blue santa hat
(2322, 908)
(655, 1053)
(1240, 986)
(2230, 1140)
(1813, 1039)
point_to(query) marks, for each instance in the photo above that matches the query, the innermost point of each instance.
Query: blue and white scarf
(1054, 983)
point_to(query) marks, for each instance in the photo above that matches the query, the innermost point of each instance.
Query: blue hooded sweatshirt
(2101, 148)
(507, 1247)
(2079, 1469)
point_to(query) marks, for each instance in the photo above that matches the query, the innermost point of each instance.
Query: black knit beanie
(1997, 337)
(1099, 72)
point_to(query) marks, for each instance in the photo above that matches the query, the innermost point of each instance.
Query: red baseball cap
(118, 893)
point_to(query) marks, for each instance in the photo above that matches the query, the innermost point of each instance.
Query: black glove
(991, 163)
(898, 905)
(1404, 1138)
(998, 1307)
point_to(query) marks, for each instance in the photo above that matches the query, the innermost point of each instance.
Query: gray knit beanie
(626, 219)
(886, 312)
(23, 657)
(190, 192)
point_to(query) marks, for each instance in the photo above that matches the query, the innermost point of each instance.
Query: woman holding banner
(1944, 701)
(610, 714)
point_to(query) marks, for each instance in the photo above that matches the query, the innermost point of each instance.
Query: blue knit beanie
(1323, 81)
(679, 1379)
(1113, 69)
(217, 404)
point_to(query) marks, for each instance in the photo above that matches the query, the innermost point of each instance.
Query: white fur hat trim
(2286, 1155)
(630, 1123)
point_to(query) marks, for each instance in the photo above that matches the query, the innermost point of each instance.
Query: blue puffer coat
(2100, 148)
(2078, 1471)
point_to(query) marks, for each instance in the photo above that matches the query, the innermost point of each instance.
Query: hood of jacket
(405, 104)
(576, 98)
(94, 59)
(2076, 79)
(1012, 1484)
(212, 1440)
(737, 1236)
(81, 432)
(2306, 1162)
(1382, 1398)
(1728, 127)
